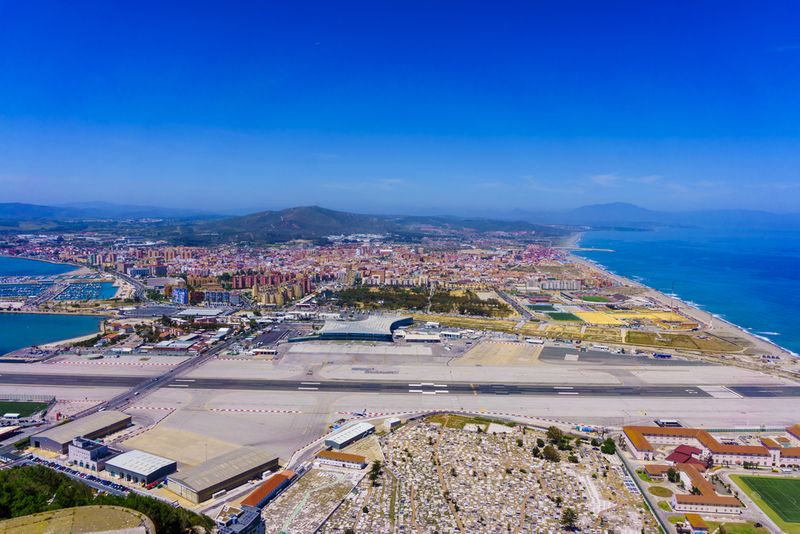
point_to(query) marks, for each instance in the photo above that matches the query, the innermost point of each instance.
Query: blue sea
(18, 330)
(748, 277)
(24, 267)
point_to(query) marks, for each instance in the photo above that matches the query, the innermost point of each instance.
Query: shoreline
(46, 260)
(692, 309)
(58, 343)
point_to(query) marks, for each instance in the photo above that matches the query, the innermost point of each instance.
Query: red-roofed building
(641, 441)
(269, 489)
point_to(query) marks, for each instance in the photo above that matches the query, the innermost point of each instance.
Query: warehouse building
(57, 439)
(200, 483)
(391, 424)
(140, 467)
(349, 435)
(373, 328)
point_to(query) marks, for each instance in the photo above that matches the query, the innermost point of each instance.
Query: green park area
(562, 316)
(24, 409)
(778, 497)
(542, 307)
(462, 302)
(449, 420)
(595, 298)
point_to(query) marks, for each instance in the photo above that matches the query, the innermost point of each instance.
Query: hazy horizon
(383, 108)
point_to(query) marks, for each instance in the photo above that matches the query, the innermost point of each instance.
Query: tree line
(33, 489)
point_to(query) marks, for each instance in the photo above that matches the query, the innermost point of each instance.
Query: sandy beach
(756, 346)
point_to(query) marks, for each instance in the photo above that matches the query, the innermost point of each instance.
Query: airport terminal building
(373, 328)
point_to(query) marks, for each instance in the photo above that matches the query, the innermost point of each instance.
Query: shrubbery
(33, 489)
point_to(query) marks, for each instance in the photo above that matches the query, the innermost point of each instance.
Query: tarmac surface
(396, 387)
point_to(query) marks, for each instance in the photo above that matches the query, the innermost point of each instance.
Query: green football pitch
(562, 316)
(24, 409)
(779, 493)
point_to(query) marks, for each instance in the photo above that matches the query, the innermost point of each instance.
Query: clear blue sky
(401, 106)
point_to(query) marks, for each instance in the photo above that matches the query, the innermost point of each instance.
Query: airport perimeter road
(413, 388)
(522, 310)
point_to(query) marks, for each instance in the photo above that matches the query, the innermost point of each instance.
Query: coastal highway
(136, 383)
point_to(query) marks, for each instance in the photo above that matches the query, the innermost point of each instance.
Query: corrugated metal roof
(222, 468)
(140, 462)
(82, 427)
(350, 432)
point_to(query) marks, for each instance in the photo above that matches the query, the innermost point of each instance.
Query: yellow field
(649, 315)
(598, 317)
(666, 319)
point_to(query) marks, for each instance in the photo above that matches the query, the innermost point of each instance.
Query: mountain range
(314, 222)
(193, 227)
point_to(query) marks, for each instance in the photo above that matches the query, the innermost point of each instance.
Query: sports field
(542, 307)
(563, 316)
(24, 409)
(778, 497)
(595, 298)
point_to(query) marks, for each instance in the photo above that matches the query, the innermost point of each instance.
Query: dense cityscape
(399, 267)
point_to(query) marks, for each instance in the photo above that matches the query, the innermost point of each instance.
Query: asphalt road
(135, 383)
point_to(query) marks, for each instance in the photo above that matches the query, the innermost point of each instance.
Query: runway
(395, 387)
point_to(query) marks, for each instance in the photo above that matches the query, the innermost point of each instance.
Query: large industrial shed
(140, 467)
(351, 434)
(57, 439)
(373, 328)
(200, 483)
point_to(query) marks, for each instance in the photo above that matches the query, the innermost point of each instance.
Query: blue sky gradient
(401, 106)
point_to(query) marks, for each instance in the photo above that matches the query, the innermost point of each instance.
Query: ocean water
(749, 277)
(18, 330)
(24, 267)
